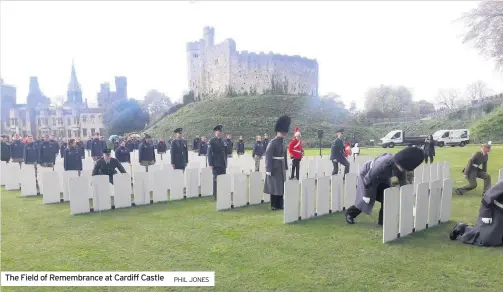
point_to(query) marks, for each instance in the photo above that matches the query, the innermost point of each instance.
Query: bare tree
(448, 98)
(477, 90)
(485, 25)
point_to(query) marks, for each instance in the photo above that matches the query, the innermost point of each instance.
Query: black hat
(218, 128)
(147, 136)
(107, 151)
(178, 130)
(283, 124)
(341, 130)
(409, 158)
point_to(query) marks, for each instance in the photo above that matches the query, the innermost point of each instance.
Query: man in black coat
(96, 147)
(241, 146)
(107, 165)
(258, 152)
(217, 156)
(146, 153)
(46, 153)
(17, 149)
(80, 146)
(89, 144)
(229, 145)
(429, 149)
(489, 228)
(337, 154)
(72, 159)
(276, 164)
(62, 148)
(161, 147)
(5, 148)
(375, 176)
(203, 147)
(122, 153)
(130, 144)
(266, 141)
(179, 151)
(30, 151)
(195, 143)
(54, 147)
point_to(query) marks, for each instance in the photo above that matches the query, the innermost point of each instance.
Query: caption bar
(79, 279)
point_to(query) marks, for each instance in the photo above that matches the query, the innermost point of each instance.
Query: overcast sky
(357, 44)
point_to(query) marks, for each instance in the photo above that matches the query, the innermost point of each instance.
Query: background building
(219, 70)
(38, 117)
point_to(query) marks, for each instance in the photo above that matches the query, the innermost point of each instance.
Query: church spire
(74, 92)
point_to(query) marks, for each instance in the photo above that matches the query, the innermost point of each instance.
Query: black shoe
(458, 192)
(459, 229)
(350, 220)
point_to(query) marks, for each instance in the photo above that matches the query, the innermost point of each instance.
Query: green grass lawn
(250, 249)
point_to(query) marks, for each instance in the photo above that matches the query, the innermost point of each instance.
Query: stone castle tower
(219, 70)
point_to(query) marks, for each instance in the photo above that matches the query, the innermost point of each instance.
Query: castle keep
(219, 70)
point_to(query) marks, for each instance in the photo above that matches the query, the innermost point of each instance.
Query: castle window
(54, 121)
(84, 132)
(196, 55)
(69, 133)
(84, 118)
(76, 120)
(92, 118)
(39, 121)
(69, 121)
(216, 62)
(92, 131)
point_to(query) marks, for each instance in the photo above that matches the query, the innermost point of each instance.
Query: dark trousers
(295, 168)
(472, 182)
(426, 158)
(180, 167)
(353, 212)
(216, 172)
(344, 162)
(276, 202)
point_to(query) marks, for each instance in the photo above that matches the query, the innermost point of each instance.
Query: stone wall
(219, 70)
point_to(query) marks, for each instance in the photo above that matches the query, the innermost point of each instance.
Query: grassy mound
(255, 115)
(489, 127)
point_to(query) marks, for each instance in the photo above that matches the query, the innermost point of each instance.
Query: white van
(459, 137)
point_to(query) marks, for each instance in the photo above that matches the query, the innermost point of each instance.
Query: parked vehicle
(459, 137)
(397, 137)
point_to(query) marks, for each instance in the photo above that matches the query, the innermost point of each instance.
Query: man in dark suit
(337, 154)
(107, 165)
(179, 153)
(217, 156)
(195, 144)
(472, 171)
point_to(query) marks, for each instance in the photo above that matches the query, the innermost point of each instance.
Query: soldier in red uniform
(296, 153)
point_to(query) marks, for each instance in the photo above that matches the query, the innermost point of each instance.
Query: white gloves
(487, 220)
(335, 160)
(366, 200)
(268, 173)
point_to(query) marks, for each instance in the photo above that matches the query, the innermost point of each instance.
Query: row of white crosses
(413, 207)
(239, 188)
(139, 186)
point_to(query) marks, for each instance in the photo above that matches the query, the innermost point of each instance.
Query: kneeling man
(107, 165)
(375, 177)
(489, 228)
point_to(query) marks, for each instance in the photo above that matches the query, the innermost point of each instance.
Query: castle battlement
(219, 70)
